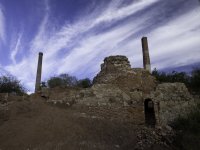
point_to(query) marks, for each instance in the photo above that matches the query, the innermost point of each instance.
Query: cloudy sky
(76, 35)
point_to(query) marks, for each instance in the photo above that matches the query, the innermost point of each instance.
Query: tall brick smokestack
(146, 58)
(39, 73)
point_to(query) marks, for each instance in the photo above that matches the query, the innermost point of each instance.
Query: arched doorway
(150, 119)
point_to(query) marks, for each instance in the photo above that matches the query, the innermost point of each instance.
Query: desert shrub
(54, 82)
(63, 80)
(171, 77)
(85, 83)
(66, 80)
(9, 84)
(192, 80)
(195, 79)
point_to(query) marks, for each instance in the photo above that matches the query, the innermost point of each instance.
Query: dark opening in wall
(150, 119)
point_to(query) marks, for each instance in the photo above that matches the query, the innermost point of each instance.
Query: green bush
(171, 77)
(63, 80)
(191, 80)
(54, 82)
(9, 84)
(85, 83)
(195, 79)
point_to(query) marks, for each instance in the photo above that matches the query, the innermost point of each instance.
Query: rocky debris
(149, 137)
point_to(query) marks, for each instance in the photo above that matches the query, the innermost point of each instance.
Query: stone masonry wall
(119, 85)
(97, 95)
(171, 101)
(117, 70)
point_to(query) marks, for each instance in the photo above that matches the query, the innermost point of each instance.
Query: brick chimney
(146, 58)
(39, 73)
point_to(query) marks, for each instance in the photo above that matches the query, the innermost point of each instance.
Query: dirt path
(36, 125)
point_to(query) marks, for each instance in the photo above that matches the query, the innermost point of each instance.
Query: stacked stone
(113, 67)
(146, 58)
(117, 70)
(118, 63)
(39, 73)
(174, 101)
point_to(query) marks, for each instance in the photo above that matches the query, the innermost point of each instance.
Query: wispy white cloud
(77, 49)
(41, 37)
(91, 42)
(91, 50)
(62, 38)
(29, 63)
(16, 48)
(177, 42)
(113, 12)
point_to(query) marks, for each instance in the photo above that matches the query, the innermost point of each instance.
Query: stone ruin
(117, 70)
(119, 85)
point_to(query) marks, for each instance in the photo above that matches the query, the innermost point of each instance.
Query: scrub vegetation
(191, 80)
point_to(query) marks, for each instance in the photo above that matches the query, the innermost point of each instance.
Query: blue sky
(76, 35)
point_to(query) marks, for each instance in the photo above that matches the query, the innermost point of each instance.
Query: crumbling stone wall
(59, 95)
(104, 95)
(119, 85)
(116, 84)
(171, 101)
(97, 95)
(117, 70)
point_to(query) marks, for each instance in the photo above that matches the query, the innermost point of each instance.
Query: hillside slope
(36, 125)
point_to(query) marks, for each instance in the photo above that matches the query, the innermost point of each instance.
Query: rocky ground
(36, 125)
